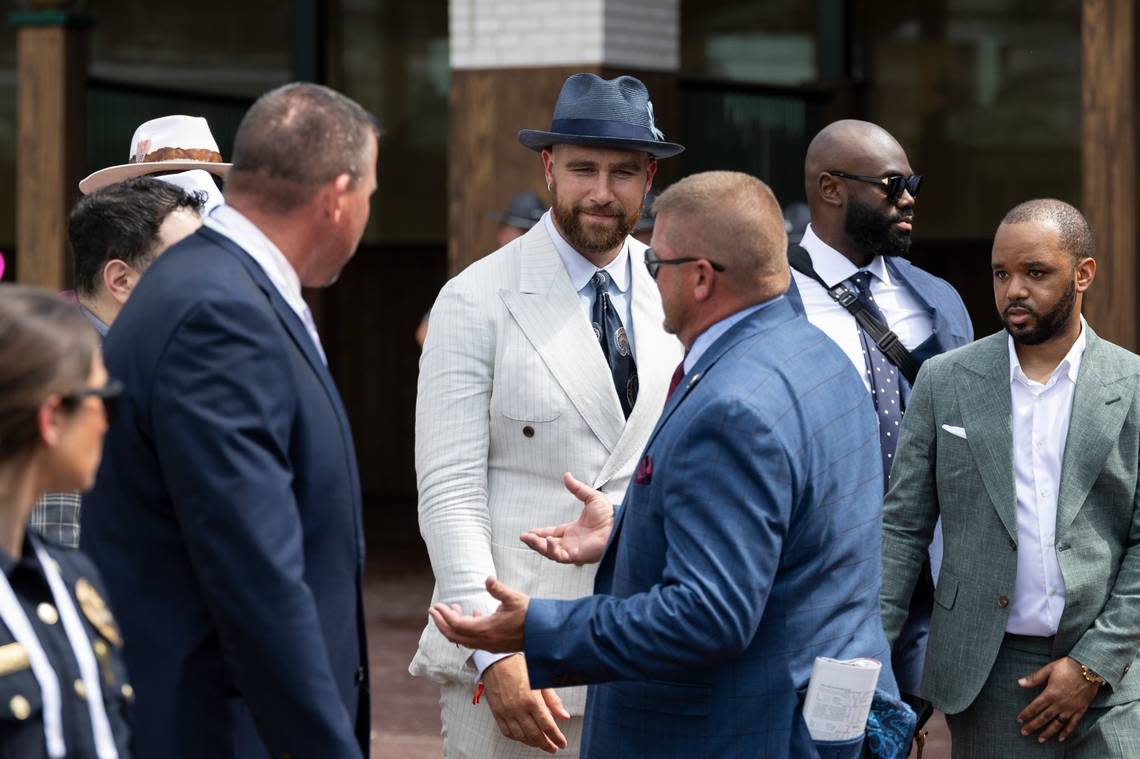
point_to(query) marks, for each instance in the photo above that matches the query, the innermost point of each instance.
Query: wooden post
(1108, 164)
(52, 140)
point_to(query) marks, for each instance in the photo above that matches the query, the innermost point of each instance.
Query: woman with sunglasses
(63, 686)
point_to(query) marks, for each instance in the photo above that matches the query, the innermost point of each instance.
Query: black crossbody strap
(887, 341)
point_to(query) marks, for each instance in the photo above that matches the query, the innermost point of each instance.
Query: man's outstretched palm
(583, 540)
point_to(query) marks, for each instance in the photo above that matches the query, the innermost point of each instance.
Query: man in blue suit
(748, 541)
(227, 515)
(862, 193)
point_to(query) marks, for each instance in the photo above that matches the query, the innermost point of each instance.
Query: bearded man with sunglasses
(862, 193)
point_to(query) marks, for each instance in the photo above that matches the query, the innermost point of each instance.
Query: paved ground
(405, 710)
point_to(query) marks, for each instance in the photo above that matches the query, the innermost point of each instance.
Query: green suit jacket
(970, 484)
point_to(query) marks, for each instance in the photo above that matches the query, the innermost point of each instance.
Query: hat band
(179, 154)
(602, 128)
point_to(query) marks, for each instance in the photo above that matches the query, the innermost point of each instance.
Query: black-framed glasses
(653, 263)
(109, 394)
(893, 184)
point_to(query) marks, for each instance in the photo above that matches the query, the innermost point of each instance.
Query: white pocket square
(955, 431)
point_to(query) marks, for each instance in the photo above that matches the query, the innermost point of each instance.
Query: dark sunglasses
(653, 263)
(109, 394)
(894, 185)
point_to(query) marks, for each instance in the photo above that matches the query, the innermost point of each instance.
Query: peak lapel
(548, 311)
(984, 401)
(1101, 401)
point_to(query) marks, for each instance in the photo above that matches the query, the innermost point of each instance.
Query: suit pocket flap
(947, 590)
(684, 699)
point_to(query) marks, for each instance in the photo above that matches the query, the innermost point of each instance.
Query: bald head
(1073, 230)
(851, 209)
(734, 219)
(855, 147)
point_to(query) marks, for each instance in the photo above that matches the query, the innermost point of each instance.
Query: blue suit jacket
(748, 545)
(226, 518)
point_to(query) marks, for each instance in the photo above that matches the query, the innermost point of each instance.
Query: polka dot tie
(883, 376)
(615, 342)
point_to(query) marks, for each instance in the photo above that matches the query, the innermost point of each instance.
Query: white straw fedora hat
(169, 143)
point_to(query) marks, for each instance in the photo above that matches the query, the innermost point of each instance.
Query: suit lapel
(1100, 403)
(944, 336)
(657, 354)
(984, 402)
(548, 312)
(304, 343)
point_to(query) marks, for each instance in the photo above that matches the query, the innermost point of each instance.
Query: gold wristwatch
(1091, 676)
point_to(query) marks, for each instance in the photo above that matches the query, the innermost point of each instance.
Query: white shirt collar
(705, 340)
(580, 269)
(230, 222)
(833, 267)
(1070, 365)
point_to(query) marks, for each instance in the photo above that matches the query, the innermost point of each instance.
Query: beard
(1045, 326)
(592, 237)
(874, 232)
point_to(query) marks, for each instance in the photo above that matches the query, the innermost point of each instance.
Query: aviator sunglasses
(893, 185)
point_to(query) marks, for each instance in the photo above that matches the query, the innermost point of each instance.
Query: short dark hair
(122, 221)
(1076, 237)
(295, 139)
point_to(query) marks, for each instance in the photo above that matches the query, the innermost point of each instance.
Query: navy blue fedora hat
(603, 113)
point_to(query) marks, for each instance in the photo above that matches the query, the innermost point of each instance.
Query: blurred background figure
(176, 149)
(643, 230)
(796, 218)
(63, 684)
(522, 213)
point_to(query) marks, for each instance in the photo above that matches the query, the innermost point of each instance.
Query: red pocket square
(643, 475)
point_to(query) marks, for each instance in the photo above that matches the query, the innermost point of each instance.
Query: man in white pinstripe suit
(550, 352)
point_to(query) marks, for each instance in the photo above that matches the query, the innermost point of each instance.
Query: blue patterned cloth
(890, 727)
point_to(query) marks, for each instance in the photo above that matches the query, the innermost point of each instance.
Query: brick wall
(490, 34)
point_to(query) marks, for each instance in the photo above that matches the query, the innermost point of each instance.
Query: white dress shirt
(581, 271)
(905, 316)
(225, 220)
(1040, 424)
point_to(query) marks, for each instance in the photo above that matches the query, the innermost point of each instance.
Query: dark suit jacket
(226, 518)
(746, 547)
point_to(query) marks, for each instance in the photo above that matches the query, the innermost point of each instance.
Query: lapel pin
(693, 379)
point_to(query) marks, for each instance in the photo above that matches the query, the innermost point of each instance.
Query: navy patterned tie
(615, 343)
(883, 376)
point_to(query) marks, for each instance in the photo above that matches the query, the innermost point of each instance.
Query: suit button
(359, 676)
(1003, 601)
(1012, 545)
(20, 707)
(1126, 668)
(1063, 546)
(47, 614)
(528, 431)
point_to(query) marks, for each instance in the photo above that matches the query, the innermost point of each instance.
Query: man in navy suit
(748, 542)
(862, 192)
(226, 518)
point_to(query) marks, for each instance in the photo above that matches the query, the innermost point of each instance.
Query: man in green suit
(1027, 444)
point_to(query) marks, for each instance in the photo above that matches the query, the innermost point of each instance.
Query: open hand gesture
(582, 541)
